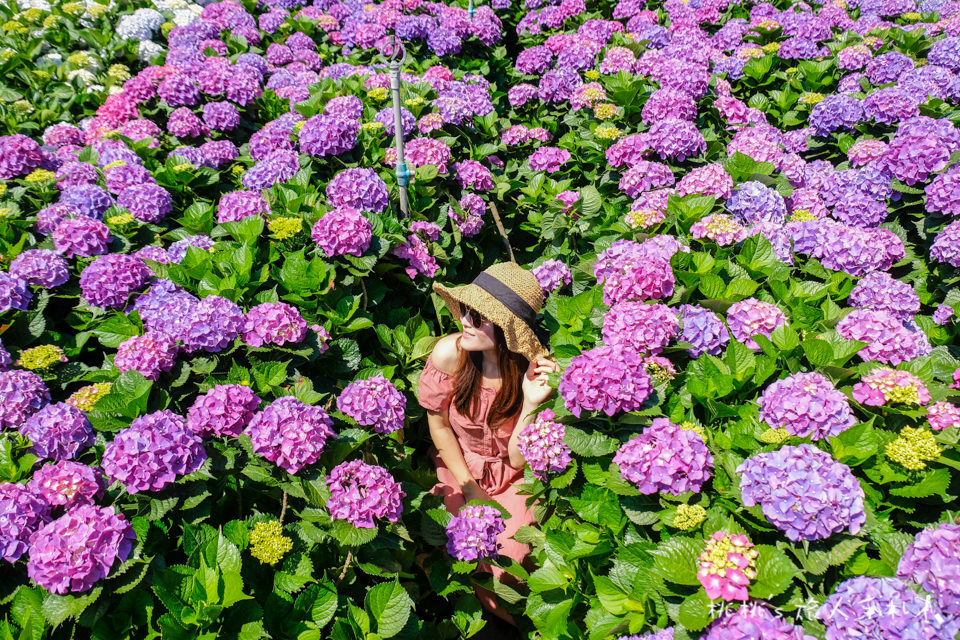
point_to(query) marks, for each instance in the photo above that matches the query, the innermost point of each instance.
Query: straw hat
(510, 297)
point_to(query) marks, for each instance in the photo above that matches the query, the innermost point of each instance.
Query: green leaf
(741, 360)
(591, 444)
(676, 560)
(695, 611)
(775, 572)
(590, 200)
(819, 560)
(350, 536)
(128, 396)
(115, 329)
(325, 605)
(935, 482)
(56, 609)
(389, 604)
(546, 578)
(818, 352)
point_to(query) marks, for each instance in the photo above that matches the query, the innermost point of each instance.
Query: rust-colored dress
(485, 453)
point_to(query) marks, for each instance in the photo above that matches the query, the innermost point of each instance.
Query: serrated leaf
(591, 444)
(775, 572)
(389, 605)
(676, 560)
(350, 536)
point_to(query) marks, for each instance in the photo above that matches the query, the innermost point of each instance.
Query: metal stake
(470, 10)
(403, 173)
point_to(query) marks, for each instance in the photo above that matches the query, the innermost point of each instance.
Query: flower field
(214, 315)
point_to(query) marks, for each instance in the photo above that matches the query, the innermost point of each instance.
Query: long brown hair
(469, 378)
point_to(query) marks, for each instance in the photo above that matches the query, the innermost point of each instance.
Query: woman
(480, 388)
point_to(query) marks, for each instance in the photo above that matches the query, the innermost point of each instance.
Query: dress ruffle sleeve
(436, 387)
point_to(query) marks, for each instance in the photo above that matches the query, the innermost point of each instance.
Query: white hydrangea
(153, 17)
(133, 28)
(53, 58)
(114, 89)
(170, 5)
(147, 49)
(43, 5)
(94, 88)
(86, 78)
(183, 17)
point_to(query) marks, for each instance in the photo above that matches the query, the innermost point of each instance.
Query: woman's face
(475, 338)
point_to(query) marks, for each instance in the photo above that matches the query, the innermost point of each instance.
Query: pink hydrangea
(709, 180)
(343, 231)
(943, 415)
(883, 386)
(720, 228)
(609, 379)
(360, 492)
(224, 410)
(150, 354)
(542, 445)
(374, 401)
(67, 484)
(648, 328)
(752, 317)
(727, 566)
(273, 323)
(548, 159)
(290, 434)
(665, 458)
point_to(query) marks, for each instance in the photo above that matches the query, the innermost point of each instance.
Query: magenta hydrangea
(709, 180)
(753, 621)
(888, 340)
(14, 293)
(472, 533)
(150, 354)
(549, 159)
(359, 188)
(552, 274)
(727, 566)
(237, 205)
(22, 394)
(78, 549)
(273, 323)
(213, 325)
(932, 560)
(473, 175)
(542, 445)
(374, 402)
(67, 484)
(22, 513)
(343, 231)
(608, 378)
(803, 492)
(632, 271)
(807, 406)
(751, 317)
(289, 433)
(943, 415)
(58, 431)
(943, 194)
(224, 410)
(647, 328)
(81, 236)
(41, 268)
(360, 492)
(883, 385)
(155, 450)
(109, 280)
(665, 458)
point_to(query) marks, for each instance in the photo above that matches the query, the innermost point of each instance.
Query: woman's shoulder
(446, 353)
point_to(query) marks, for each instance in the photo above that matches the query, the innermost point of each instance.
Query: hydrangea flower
(67, 484)
(753, 622)
(720, 228)
(289, 433)
(889, 341)
(374, 401)
(754, 202)
(803, 492)
(360, 492)
(885, 609)
(631, 271)
(752, 317)
(609, 379)
(946, 246)
(150, 354)
(78, 549)
(358, 188)
(22, 394)
(267, 542)
(806, 405)
(943, 415)
(40, 268)
(82, 237)
(273, 323)
(703, 329)
(943, 314)
(58, 431)
(155, 450)
(109, 280)
(224, 410)
(879, 290)
(22, 513)
(727, 566)
(213, 325)
(913, 448)
(472, 533)
(324, 135)
(665, 458)
(14, 293)
(885, 385)
(552, 274)
(542, 445)
(647, 328)
(549, 159)
(343, 231)
(932, 560)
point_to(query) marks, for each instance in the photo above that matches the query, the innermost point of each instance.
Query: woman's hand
(472, 491)
(535, 386)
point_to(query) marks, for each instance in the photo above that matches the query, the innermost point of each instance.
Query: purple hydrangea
(109, 280)
(166, 308)
(178, 250)
(552, 275)
(946, 246)
(221, 116)
(224, 410)
(636, 271)
(58, 431)
(473, 175)
(914, 156)
(78, 549)
(275, 167)
(407, 121)
(943, 314)
(889, 340)
(5, 360)
(880, 291)
(325, 135)
(943, 194)
(884, 609)
(344, 107)
(22, 513)
(647, 328)
(150, 354)
(645, 176)
(360, 492)
(806, 405)
(67, 484)
(127, 175)
(14, 293)
(665, 458)
(803, 492)
(609, 379)
(234, 206)
(753, 622)
(472, 533)
(179, 89)
(41, 268)
(147, 202)
(215, 323)
(932, 560)
(19, 155)
(83, 237)
(675, 139)
(289, 433)
(704, 330)
(751, 317)
(834, 113)
(754, 202)
(343, 231)
(853, 250)
(374, 401)
(359, 188)
(542, 445)
(155, 450)
(87, 200)
(22, 394)
(273, 323)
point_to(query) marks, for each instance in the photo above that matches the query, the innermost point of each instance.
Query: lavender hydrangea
(234, 206)
(58, 431)
(374, 401)
(647, 328)
(946, 246)
(273, 323)
(359, 188)
(542, 445)
(932, 560)
(67, 484)
(213, 326)
(754, 201)
(289, 433)
(224, 410)
(753, 621)
(147, 202)
(703, 329)
(109, 280)
(880, 291)
(834, 113)
(78, 549)
(14, 293)
(806, 405)
(803, 492)
(360, 492)
(155, 450)
(609, 379)
(472, 533)
(324, 135)
(943, 194)
(41, 268)
(751, 317)
(889, 340)
(150, 354)
(22, 513)
(82, 237)
(665, 458)
(22, 394)
(552, 275)
(343, 231)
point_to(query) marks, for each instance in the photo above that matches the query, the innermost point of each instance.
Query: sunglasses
(476, 319)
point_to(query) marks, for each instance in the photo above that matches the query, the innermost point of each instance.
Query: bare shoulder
(446, 353)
